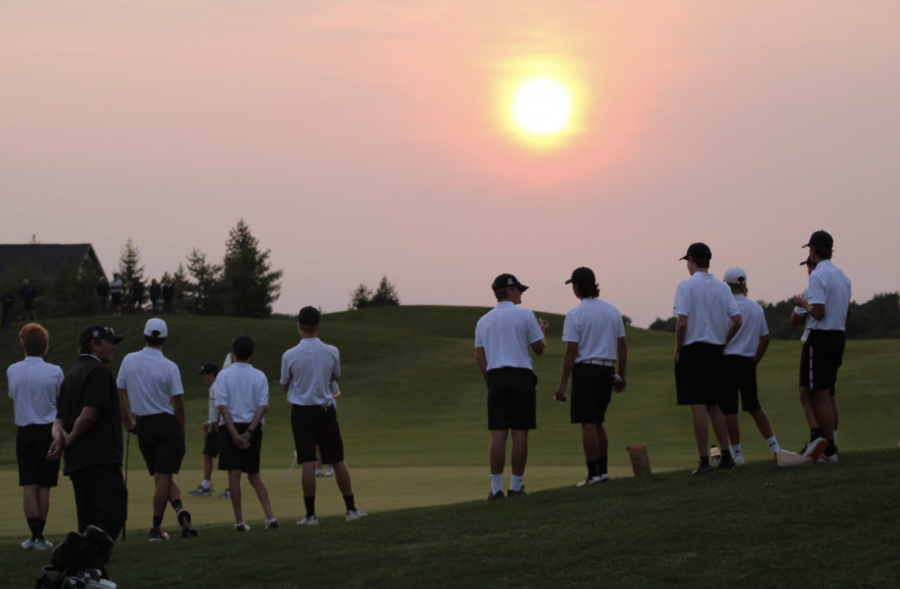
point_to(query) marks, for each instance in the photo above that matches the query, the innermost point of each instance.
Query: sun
(542, 107)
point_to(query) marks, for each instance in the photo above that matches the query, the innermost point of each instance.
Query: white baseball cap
(156, 327)
(735, 276)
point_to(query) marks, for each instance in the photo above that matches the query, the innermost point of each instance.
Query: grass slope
(758, 527)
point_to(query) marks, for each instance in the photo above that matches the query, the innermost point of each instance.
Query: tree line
(878, 318)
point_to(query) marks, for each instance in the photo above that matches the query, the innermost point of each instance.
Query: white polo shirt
(505, 333)
(151, 380)
(829, 286)
(596, 327)
(243, 389)
(708, 304)
(753, 327)
(308, 370)
(34, 389)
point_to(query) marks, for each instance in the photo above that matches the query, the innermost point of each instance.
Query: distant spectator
(137, 293)
(102, 295)
(28, 295)
(115, 293)
(168, 292)
(155, 291)
(8, 299)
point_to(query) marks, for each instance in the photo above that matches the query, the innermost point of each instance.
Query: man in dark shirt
(168, 292)
(8, 299)
(102, 295)
(137, 293)
(28, 295)
(88, 430)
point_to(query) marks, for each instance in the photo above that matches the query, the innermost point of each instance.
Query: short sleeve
(263, 396)
(336, 372)
(122, 378)
(815, 292)
(620, 325)
(219, 392)
(733, 310)
(479, 335)
(175, 387)
(285, 370)
(534, 329)
(570, 328)
(682, 301)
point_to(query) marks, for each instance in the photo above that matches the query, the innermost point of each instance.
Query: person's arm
(761, 348)
(568, 363)
(798, 319)
(125, 411)
(539, 346)
(481, 360)
(736, 322)
(681, 324)
(254, 423)
(239, 441)
(86, 420)
(178, 405)
(816, 311)
(58, 434)
(622, 354)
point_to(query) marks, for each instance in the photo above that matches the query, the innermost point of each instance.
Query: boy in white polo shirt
(707, 319)
(242, 396)
(502, 340)
(150, 384)
(595, 338)
(307, 373)
(34, 389)
(742, 354)
(208, 372)
(828, 307)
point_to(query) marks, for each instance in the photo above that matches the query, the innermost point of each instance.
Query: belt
(599, 362)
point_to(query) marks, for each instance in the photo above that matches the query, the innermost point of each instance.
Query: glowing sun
(542, 107)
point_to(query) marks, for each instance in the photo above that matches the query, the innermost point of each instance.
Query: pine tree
(385, 294)
(249, 283)
(203, 290)
(360, 297)
(130, 266)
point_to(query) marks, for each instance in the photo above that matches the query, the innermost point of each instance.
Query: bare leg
(701, 429)
(174, 489)
(806, 402)
(44, 502)
(590, 442)
(30, 501)
(762, 423)
(207, 467)
(718, 423)
(602, 441)
(497, 451)
(834, 411)
(821, 400)
(519, 452)
(342, 475)
(234, 485)
(734, 430)
(261, 493)
(308, 479)
(162, 483)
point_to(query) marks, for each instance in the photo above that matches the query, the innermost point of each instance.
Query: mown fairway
(413, 419)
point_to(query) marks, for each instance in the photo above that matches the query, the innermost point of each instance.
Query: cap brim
(569, 281)
(803, 246)
(113, 338)
(684, 258)
(522, 287)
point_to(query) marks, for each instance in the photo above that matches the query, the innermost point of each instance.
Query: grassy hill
(413, 418)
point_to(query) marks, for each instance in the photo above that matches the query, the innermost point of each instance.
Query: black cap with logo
(507, 280)
(98, 332)
(209, 368)
(583, 275)
(698, 250)
(820, 238)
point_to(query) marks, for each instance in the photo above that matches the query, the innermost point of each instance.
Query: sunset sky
(363, 138)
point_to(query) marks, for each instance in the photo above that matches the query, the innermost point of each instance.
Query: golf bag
(79, 562)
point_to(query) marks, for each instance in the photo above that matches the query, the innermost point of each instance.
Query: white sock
(205, 484)
(773, 444)
(496, 483)
(736, 450)
(515, 483)
(834, 437)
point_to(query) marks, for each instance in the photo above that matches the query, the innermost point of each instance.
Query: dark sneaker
(225, 494)
(495, 496)
(520, 493)
(702, 469)
(157, 535)
(184, 522)
(201, 491)
(729, 464)
(241, 527)
(272, 525)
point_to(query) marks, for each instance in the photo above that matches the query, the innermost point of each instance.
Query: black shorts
(512, 399)
(101, 498)
(592, 387)
(116, 298)
(161, 443)
(823, 353)
(28, 305)
(314, 425)
(698, 374)
(233, 458)
(32, 444)
(738, 374)
(211, 442)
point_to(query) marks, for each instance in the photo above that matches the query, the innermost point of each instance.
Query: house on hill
(47, 260)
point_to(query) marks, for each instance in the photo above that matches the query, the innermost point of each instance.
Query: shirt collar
(149, 350)
(310, 340)
(33, 359)
(88, 356)
(241, 365)
(506, 304)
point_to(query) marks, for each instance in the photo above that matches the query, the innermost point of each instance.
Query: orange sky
(364, 138)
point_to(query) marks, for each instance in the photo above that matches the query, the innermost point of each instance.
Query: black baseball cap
(820, 238)
(209, 368)
(95, 332)
(308, 316)
(698, 250)
(507, 280)
(583, 275)
(243, 346)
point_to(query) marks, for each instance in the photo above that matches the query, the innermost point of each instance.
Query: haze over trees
(363, 296)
